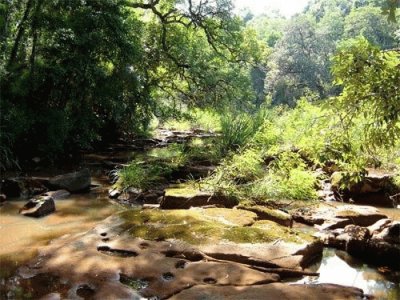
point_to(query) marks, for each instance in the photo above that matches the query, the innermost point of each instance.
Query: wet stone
(85, 292)
(168, 276)
(136, 284)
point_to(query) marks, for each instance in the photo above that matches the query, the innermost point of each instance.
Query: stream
(21, 237)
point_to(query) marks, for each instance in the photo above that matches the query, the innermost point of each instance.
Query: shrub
(139, 175)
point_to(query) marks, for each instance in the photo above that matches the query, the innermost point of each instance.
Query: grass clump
(247, 176)
(238, 129)
(287, 178)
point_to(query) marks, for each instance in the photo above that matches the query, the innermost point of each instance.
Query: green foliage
(287, 178)
(390, 8)
(157, 166)
(192, 119)
(174, 155)
(240, 168)
(246, 176)
(300, 60)
(140, 175)
(370, 80)
(82, 72)
(203, 151)
(238, 129)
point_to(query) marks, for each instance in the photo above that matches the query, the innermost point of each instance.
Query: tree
(369, 22)
(389, 8)
(79, 72)
(370, 79)
(300, 63)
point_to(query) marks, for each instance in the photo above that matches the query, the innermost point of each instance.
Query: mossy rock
(287, 234)
(236, 217)
(185, 196)
(265, 213)
(182, 191)
(202, 226)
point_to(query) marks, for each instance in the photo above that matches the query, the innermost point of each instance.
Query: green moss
(249, 235)
(202, 226)
(262, 210)
(287, 234)
(184, 191)
(238, 217)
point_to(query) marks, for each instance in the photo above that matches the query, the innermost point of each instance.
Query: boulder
(184, 198)
(10, 188)
(389, 233)
(133, 196)
(114, 193)
(378, 243)
(265, 213)
(373, 189)
(38, 207)
(23, 187)
(378, 226)
(73, 182)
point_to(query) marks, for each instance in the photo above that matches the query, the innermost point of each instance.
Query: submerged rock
(38, 207)
(73, 182)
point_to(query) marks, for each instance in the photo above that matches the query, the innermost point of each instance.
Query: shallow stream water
(20, 236)
(338, 267)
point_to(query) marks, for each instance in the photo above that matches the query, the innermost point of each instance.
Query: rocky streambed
(187, 243)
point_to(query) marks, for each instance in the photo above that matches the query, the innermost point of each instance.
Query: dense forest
(75, 74)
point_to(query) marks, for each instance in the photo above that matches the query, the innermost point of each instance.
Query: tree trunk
(20, 33)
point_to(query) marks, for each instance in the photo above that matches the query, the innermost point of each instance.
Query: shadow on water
(338, 267)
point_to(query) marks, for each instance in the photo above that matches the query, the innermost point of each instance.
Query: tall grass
(238, 129)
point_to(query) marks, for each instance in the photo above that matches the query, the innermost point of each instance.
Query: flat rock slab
(161, 253)
(184, 198)
(114, 264)
(210, 226)
(271, 291)
(268, 255)
(332, 217)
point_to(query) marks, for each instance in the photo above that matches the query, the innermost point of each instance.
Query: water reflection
(340, 268)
